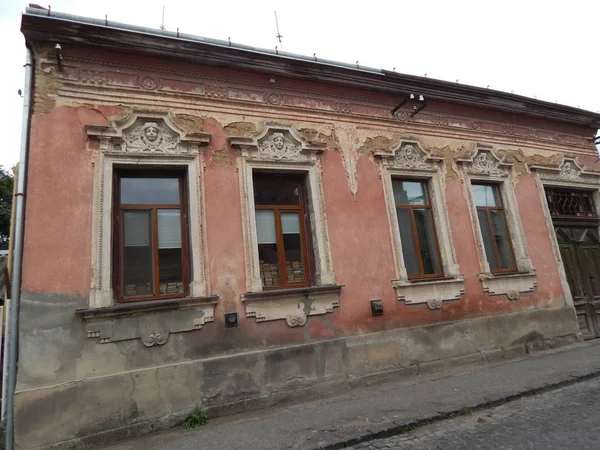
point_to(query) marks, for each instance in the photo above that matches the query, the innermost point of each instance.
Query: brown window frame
(495, 186)
(421, 275)
(118, 231)
(305, 235)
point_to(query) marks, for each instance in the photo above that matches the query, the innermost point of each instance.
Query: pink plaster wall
(58, 233)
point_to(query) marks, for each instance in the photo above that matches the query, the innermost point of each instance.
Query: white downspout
(13, 319)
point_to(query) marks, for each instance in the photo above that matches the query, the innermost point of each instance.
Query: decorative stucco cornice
(278, 144)
(486, 162)
(147, 133)
(570, 170)
(45, 25)
(409, 155)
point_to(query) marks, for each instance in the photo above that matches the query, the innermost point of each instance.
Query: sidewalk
(383, 409)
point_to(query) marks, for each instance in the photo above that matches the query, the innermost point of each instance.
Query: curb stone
(400, 427)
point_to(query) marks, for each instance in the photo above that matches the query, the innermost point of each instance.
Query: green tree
(7, 180)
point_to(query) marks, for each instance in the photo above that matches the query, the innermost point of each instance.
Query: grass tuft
(196, 419)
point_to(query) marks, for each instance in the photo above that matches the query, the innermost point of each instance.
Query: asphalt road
(568, 418)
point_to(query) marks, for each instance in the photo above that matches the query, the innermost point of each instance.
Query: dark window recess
(281, 228)
(150, 237)
(571, 203)
(417, 229)
(494, 230)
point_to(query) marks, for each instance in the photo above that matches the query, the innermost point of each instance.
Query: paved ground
(367, 410)
(563, 419)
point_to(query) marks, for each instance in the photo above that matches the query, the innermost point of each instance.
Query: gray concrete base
(94, 410)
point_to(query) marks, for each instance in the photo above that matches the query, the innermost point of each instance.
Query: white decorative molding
(409, 160)
(511, 285)
(432, 292)
(487, 162)
(569, 172)
(409, 155)
(278, 144)
(152, 321)
(294, 306)
(155, 338)
(280, 149)
(493, 169)
(147, 133)
(151, 139)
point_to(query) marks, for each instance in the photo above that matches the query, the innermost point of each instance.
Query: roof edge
(39, 24)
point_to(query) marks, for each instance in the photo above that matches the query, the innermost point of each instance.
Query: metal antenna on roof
(162, 24)
(278, 35)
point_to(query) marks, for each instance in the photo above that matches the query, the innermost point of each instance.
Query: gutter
(19, 200)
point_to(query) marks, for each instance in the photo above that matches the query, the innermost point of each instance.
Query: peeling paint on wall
(46, 91)
(189, 123)
(239, 128)
(310, 134)
(378, 143)
(348, 140)
(221, 157)
(521, 161)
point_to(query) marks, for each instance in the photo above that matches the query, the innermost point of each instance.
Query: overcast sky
(544, 49)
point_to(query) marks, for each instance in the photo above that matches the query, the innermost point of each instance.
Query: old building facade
(209, 224)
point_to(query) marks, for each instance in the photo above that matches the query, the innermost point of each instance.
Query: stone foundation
(104, 408)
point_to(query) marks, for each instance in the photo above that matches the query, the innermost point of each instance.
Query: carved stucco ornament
(434, 304)
(278, 144)
(486, 162)
(411, 157)
(156, 338)
(293, 307)
(147, 133)
(570, 170)
(151, 137)
(151, 325)
(408, 155)
(513, 295)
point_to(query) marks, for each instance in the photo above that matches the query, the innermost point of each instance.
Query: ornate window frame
(409, 160)
(570, 173)
(123, 144)
(294, 155)
(486, 165)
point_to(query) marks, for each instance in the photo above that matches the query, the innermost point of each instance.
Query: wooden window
(494, 229)
(281, 228)
(417, 229)
(151, 252)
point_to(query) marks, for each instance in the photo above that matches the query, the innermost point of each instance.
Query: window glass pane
(146, 191)
(267, 247)
(170, 261)
(427, 241)
(502, 239)
(276, 190)
(485, 195)
(408, 244)
(488, 245)
(265, 226)
(169, 228)
(409, 192)
(292, 245)
(137, 254)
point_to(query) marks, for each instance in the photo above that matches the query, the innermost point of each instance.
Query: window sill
(152, 321)
(294, 305)
(509, 284)
(121, 309)
(433, 291)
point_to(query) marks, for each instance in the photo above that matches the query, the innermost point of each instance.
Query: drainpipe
(13, 318)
